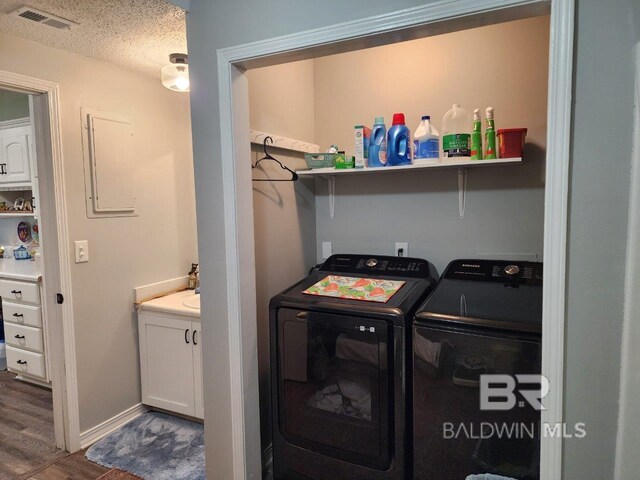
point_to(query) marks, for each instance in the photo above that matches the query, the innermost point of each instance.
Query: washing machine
(476, 372)
(339, 368)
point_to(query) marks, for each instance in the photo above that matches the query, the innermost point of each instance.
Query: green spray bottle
(476, 136)
(490, 137)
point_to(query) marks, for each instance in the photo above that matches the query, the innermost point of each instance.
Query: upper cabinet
(15, 155)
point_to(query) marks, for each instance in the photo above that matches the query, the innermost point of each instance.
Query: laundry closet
(490, 211)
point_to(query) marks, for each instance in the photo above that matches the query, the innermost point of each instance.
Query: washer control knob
(372, 262)
(511, 270)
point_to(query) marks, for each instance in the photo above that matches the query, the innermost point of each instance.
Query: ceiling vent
(43, 18)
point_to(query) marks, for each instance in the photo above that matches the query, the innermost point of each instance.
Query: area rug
(154, 446)
(117, 474)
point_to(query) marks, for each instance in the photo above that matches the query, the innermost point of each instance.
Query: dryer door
(333, 385)
(471, 414)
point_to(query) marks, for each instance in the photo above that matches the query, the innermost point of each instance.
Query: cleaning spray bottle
(490, 136)
(476, 136)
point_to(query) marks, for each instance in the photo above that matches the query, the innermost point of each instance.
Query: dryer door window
(333, 385)
(453, 434)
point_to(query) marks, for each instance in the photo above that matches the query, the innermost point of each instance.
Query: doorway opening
(36, 319)
(242, 206)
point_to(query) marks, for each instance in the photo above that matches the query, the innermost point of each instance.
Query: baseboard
(94, 434)
(34, 381)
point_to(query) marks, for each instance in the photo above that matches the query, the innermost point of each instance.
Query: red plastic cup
(511, 142)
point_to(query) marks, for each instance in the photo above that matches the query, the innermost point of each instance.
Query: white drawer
(24, 337)
(20, 291)
(25, 362)
(21, 314)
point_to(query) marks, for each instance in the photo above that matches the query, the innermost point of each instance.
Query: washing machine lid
(419, 277)
(488, 293)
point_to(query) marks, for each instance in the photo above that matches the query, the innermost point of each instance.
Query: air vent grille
(31, 15)
(43, 18)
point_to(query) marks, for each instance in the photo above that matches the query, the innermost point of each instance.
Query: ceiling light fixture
(175, 76)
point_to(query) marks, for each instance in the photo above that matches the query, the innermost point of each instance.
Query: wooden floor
(27, 445)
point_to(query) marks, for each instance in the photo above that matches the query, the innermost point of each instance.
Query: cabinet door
(198, 377)
(14, 164)
(166, 363)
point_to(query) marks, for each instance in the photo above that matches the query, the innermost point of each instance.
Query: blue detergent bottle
(378, 144)
(398, 142)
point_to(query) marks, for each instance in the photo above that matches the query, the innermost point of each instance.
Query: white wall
(597, 216)
(505, 206)
(597, 235)
(627, 459)
(124, 252)
(281, 103)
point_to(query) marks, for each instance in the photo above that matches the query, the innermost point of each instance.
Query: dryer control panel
(379, 265)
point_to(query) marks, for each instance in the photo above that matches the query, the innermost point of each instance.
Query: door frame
(439, 17)
(57, 267)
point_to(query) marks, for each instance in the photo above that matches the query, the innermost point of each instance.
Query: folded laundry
(358, 395)
(344, 398)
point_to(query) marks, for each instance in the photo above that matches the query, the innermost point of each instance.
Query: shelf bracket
(331, 182)
(462, 190)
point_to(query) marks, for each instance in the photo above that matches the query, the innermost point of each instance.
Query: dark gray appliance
(484, 317)
(339, 371)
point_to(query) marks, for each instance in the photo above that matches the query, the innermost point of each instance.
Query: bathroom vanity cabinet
(171, 361)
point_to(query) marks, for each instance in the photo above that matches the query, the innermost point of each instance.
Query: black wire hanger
(267, 156)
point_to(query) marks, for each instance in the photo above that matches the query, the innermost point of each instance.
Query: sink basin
(192, 301)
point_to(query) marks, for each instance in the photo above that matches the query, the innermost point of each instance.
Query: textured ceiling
(137, 34)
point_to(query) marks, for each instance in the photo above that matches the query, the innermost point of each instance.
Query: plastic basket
(321, 160)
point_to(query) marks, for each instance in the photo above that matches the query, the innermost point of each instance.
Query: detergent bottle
(398, 142)
(378, 144)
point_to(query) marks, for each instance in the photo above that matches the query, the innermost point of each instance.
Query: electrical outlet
(327, 250)
(402, 249)
(82, 251)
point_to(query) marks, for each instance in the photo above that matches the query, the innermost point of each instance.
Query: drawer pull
(22, 362)
(18, 315)
(20, 337)
(16, 292)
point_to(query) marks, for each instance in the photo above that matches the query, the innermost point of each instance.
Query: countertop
(172, 304)
(27, 270)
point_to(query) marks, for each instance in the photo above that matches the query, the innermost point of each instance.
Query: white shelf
(462, 166)
(412, 168)
(16, 214)
(20, 187)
